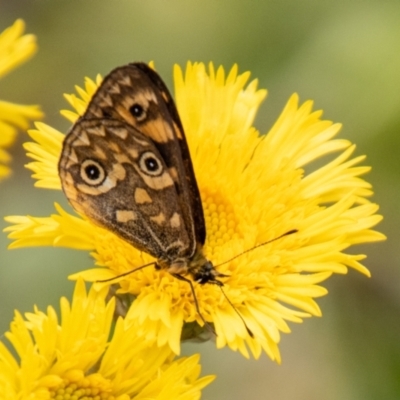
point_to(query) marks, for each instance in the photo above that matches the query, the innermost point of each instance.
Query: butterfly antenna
(127, 273)
(258, 245)
(237, 312)
(196, 303)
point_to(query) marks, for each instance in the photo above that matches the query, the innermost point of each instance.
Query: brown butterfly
(126, 165)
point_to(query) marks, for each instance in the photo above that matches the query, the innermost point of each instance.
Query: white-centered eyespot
(138, 111)
(92, 172)
(150, 164)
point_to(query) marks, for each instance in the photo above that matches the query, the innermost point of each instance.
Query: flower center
(87, 388)
(221, 221)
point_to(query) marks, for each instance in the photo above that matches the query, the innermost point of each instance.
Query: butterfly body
(126, 165)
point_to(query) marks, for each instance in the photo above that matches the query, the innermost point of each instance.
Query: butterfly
(125, 164)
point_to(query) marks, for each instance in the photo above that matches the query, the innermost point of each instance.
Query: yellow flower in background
(254, 188)
(77, 359)
(15, 48)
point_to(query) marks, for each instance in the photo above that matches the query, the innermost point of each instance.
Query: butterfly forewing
(123, 94)
(126, 165)
(193, 190)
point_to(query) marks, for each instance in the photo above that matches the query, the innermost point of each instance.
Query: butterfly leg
(196, 303)
(219, 284)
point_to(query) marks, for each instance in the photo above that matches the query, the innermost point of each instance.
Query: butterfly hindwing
(115, 175)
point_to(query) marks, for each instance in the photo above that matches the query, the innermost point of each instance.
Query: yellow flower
(15, 49)
(254, 188)
(75, 359)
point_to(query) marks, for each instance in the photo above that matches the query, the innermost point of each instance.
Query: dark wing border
(195, 199)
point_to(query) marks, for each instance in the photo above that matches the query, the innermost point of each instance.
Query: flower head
(77, 357)
(15, 48)
(254, 188)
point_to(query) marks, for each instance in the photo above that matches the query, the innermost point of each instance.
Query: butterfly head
(207, 274)
(198, 267)
(202, 270)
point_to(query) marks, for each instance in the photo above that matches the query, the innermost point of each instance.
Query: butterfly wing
(133, 99)
(115, 175)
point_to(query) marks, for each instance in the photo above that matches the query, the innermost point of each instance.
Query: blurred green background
(344, 55)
